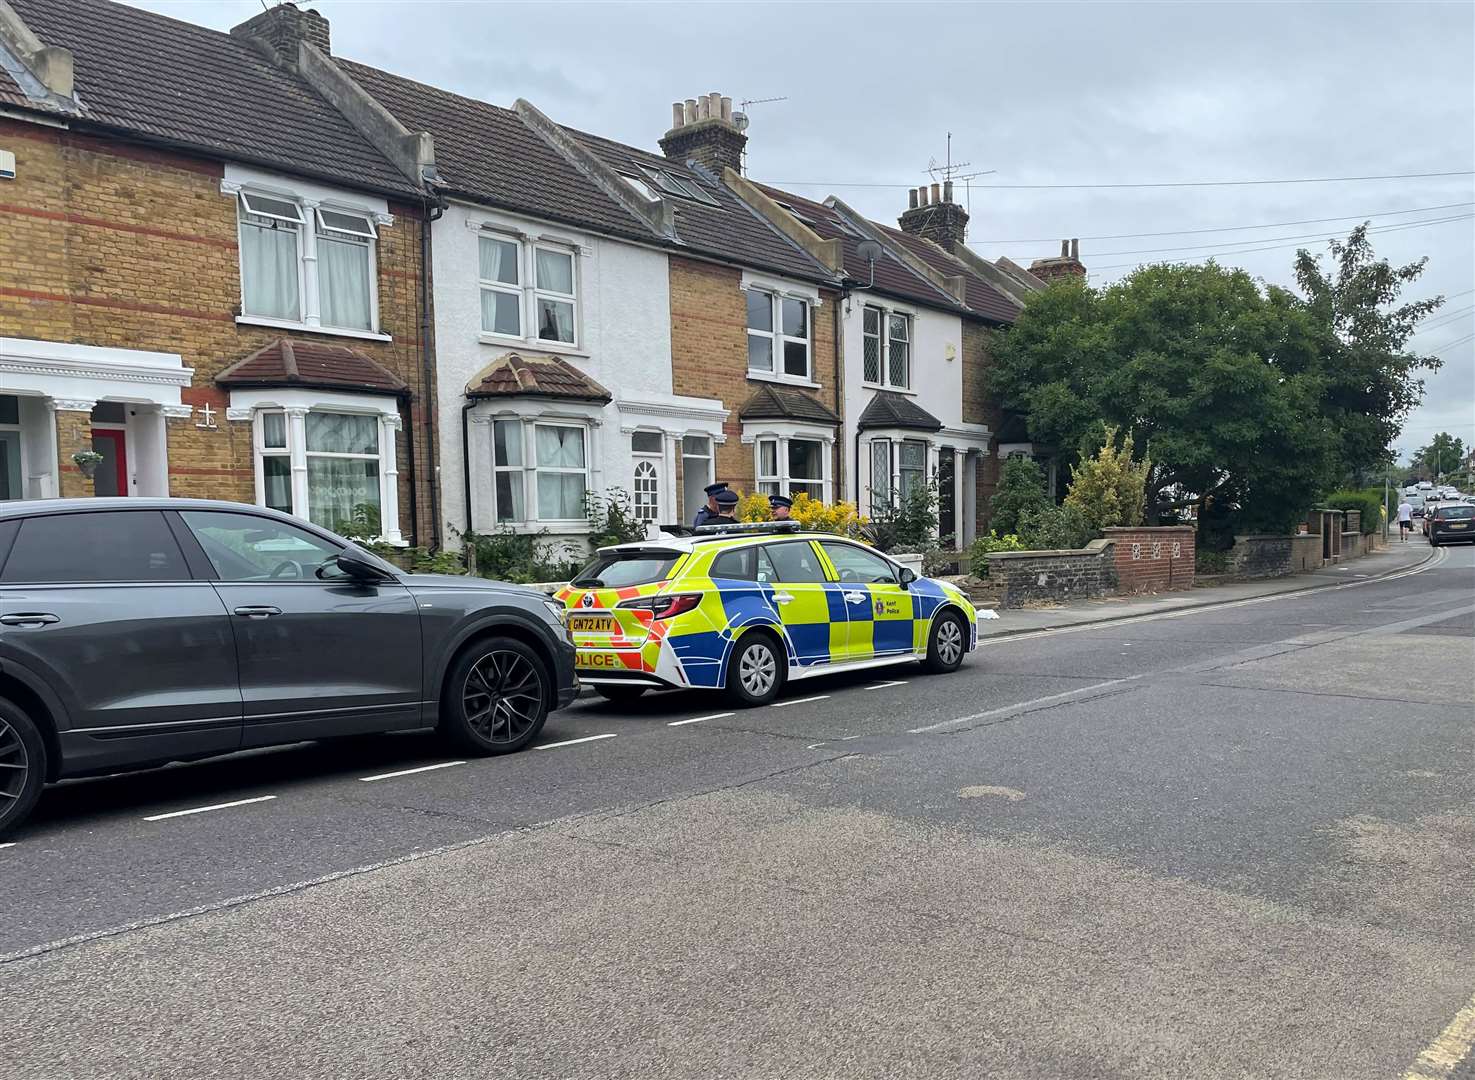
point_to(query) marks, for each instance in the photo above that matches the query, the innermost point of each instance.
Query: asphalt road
(1228, 842)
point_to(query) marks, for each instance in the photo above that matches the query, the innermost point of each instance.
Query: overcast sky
(1062, 94)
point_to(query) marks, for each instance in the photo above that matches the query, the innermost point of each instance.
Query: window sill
(888, 389)
(287, 324)
(552, 528)
(786, 380)
(536, 344)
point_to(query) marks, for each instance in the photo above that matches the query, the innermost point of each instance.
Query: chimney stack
(705, 130)
(1068, 264)
(932, 215)
(279, 29)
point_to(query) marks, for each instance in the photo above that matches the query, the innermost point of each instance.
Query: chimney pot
(714, 106)
(1065, 249)
(1075, 250)
(912, 199)
(727, 109)
(283, 27)
(678, 115)
(937, 193)
(947, 191)
(922, 194)
(689, 109)
(715, 146)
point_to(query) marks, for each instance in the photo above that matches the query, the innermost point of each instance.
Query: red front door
(111, 477)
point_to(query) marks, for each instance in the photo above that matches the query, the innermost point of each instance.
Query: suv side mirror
(357, 566)
(906, 575)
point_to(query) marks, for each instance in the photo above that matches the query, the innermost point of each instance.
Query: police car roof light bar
(747, 527)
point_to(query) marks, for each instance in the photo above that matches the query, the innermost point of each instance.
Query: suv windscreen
(114, 545)
(618, 570)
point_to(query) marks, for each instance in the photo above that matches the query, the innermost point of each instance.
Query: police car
(747, 608)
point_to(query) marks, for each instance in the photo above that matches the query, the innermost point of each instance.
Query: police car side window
(766, 572)
(795, 563)
(857, 564)
(740, 565)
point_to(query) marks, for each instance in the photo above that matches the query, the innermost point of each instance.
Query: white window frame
(309, 223)
(883, 340)
(655, 460)
(530, 469)
(780, 480)
(778, 339)
(527, 289)
(893, 445)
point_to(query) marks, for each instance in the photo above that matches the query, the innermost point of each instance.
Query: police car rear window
(619, 569)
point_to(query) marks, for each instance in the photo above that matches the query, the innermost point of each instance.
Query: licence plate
(591, 624)
(1459, 525)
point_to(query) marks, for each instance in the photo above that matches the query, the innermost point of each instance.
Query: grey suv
(135, 632)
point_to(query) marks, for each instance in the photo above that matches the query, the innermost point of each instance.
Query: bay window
(897, 468)
(529, 290)
(789, 466)
(911, 465)
(306, 264)
(886, 345)
(880, 475)
(539, 464)
(778, 335)
(335, 469)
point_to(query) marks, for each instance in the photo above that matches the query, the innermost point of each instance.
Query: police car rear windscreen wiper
(588, 583)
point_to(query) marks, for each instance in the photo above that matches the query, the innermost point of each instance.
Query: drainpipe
(840, 397)
(434, 205)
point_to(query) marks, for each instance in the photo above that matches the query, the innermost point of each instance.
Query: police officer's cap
(713, 489)
(775, 501)
(726, 497)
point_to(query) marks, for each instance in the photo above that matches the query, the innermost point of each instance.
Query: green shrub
(1109, 487)
(520, 558)
(978, 551)
(1021, 487)
(910, 522)
(610, 518)
(1055, 527)
(1210, 562)
(1369, 501)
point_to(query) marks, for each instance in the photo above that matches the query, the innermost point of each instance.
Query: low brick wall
(1306, 553)
(1353, 546)
(1153, 558)
(1053, 576)
(1261, 556)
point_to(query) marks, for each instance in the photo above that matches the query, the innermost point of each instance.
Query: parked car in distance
(747, 608)
(135, 632)
(1451, 523)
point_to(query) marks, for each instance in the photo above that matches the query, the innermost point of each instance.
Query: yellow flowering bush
(840, 518)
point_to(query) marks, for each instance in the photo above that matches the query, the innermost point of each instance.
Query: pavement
(1224, 840)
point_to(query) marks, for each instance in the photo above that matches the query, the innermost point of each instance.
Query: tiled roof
(536, 375)
(893, 277)
(487, 154)
(979, 295)
(888, 410)
(786, 403)
(311, 363)
(164, 79)
(731, 230)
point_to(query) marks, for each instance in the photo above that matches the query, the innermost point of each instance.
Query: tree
(1021, 488)
(1371, 378)
(1444, 454)
(1109, 488)
(1219, 379)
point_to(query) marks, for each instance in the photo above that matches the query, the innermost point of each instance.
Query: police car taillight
(666, 607)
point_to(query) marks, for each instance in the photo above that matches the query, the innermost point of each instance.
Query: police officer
(779, 505)
(707, 513)
(726, 501)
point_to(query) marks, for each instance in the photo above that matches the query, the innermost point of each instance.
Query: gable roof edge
(828, 253)
(951, 285)
(658, 217)
(49, 65)
(1013, 287)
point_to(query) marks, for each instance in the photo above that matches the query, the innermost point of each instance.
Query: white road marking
(207, 809)
(699, 719)
(1020, 706)
(884, 685)
(798, 701)
(410, 772)
(11, 844)
(1441, 1057)
(571, 742)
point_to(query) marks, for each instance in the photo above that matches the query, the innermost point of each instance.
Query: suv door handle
(29, 620)
(782, 597)
(260, 611)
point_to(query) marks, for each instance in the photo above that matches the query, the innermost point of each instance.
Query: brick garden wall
(105, 243)
(1153, 558)
(709, 358)
(1261, 556)
(1025, 577)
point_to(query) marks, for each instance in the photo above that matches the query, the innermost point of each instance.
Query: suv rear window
(1456, 511)
(620, 569)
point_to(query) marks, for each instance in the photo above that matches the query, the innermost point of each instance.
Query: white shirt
(1405, 512)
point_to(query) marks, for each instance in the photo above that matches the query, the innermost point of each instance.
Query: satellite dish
(870, 251)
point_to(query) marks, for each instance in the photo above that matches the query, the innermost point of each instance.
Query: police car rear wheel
(754, 676)
(947, 644)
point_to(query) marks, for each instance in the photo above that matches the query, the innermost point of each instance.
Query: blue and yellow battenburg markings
(830, 622)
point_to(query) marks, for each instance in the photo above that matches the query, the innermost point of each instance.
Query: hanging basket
(87, 462)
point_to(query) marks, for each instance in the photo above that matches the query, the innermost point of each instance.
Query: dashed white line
(3, 846)
(207, 809)
(1022, 706)
(798, 701)
(699, 719)
(411, 772)
(884, 685)
(571, 742)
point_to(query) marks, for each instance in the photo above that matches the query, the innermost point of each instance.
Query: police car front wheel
(947, 643)
(755, 670)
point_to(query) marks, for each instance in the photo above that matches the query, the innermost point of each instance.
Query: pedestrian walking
(1405, 520)
(705, 515)
(779, 506)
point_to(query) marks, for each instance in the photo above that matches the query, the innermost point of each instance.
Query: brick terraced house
(209, 275)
